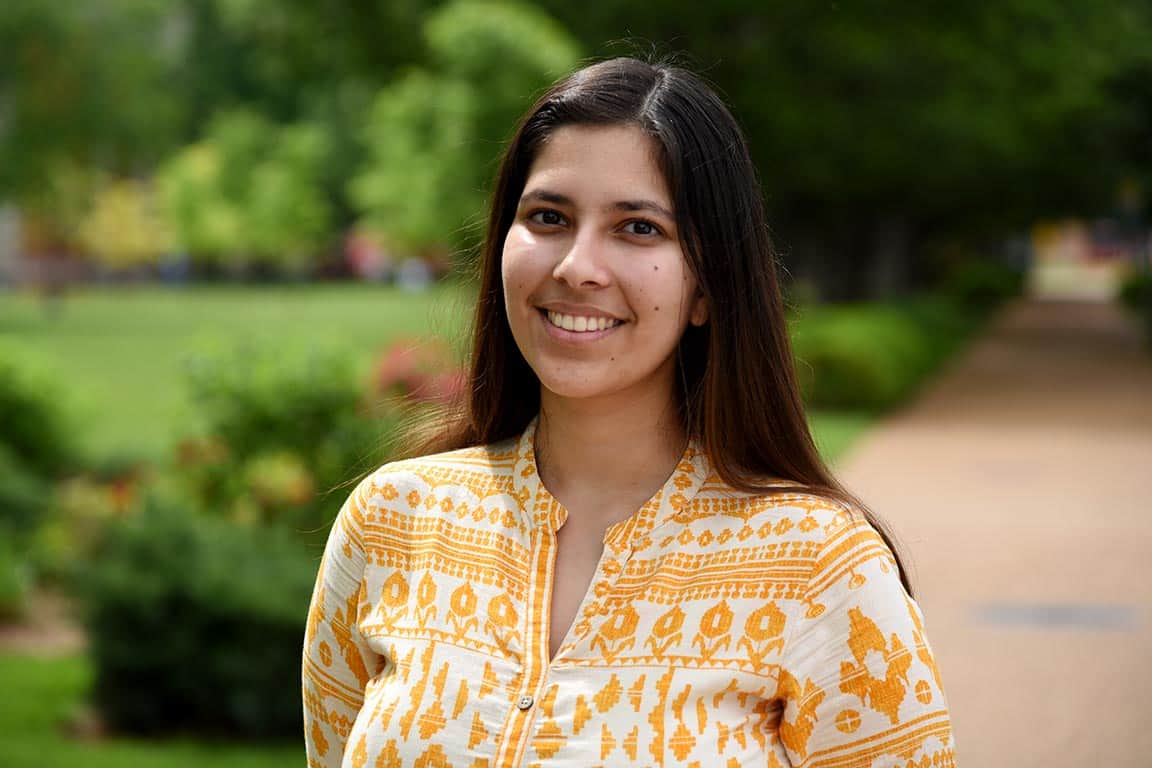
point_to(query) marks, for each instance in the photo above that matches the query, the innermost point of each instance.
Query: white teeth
(581, 324)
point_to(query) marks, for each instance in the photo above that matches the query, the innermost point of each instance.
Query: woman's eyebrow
(643, 205)
(548, 196)
(545, 196)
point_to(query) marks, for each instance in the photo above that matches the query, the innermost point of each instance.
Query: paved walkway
(1021, 486)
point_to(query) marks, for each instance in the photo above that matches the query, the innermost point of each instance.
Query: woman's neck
(606, 455)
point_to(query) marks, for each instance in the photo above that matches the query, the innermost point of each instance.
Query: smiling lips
(580, 323)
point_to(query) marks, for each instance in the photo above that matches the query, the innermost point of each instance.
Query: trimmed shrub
(35, 425)
(195, 625)
(283, 432)
(36, 448)
(72, 534)
(872, 356)
(24, 497)
(982, 284)
(13, 583)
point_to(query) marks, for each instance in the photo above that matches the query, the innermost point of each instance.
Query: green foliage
(195, 625)
(202, 219)
(982, 284)
(419, 183)
(507, 52)
(289, 216)
(14, 582)
(256, 400)
(872, 356)
(122, 228)
(37, 446)
(250, 191)
(282, 433)
(24, 497)
(82, 82)
(432, 134)
(73, 531)
(34, 420)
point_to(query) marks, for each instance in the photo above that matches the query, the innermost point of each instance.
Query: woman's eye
(642, 228)
(547, 216)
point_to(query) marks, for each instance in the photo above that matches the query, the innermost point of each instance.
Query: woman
(627, 550)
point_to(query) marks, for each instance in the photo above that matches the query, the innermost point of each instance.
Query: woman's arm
(337, 661)
(859, 682)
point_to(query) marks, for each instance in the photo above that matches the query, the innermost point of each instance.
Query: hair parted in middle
(738, 395)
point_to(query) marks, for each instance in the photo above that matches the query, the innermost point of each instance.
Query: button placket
(612, 565)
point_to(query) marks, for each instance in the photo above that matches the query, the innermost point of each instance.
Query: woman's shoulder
(812, 526)
(778, 500)
(466, 467)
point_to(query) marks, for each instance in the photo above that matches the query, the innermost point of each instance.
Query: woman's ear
(699, 314)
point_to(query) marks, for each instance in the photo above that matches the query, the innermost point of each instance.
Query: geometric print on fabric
(719, 629)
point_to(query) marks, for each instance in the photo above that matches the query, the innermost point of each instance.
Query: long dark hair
(738, 393)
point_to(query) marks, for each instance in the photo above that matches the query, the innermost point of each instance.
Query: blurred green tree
(433, 135)
(416, 184)
(249, 191)
(289, 217)
(123, 229)
(86, 84)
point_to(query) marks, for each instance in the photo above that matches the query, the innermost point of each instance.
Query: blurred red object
(419, 372)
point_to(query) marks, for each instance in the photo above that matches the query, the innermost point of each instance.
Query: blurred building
(1082, 260)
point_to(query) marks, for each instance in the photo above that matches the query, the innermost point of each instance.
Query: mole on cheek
(656, 308)
(655, 268)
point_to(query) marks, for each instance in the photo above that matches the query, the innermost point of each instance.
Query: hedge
(873, 356)
(195, 625)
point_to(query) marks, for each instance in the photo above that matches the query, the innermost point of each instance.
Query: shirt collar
(542, 509)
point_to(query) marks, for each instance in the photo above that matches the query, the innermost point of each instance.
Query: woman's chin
(572, 390)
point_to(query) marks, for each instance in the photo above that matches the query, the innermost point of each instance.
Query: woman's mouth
(580, 323)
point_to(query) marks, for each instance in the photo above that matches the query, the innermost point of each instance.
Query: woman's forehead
(598, 165)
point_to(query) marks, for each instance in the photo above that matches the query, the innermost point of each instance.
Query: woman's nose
(583, 264)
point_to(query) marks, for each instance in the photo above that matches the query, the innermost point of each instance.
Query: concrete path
(1020, 484)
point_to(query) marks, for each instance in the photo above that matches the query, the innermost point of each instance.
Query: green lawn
(119, 353)
(41, 696)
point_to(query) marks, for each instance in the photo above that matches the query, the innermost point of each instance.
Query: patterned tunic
(719, 629)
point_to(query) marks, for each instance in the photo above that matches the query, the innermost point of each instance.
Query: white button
(525, 702)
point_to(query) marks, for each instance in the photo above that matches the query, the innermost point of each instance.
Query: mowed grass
(119, 354)
(43, 696)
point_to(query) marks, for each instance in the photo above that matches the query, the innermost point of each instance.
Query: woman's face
(596, 287)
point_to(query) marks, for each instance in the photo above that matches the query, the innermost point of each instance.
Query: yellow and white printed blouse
(720, 630)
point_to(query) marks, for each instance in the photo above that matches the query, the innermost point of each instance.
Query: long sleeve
(859, 683)
(337, 662)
